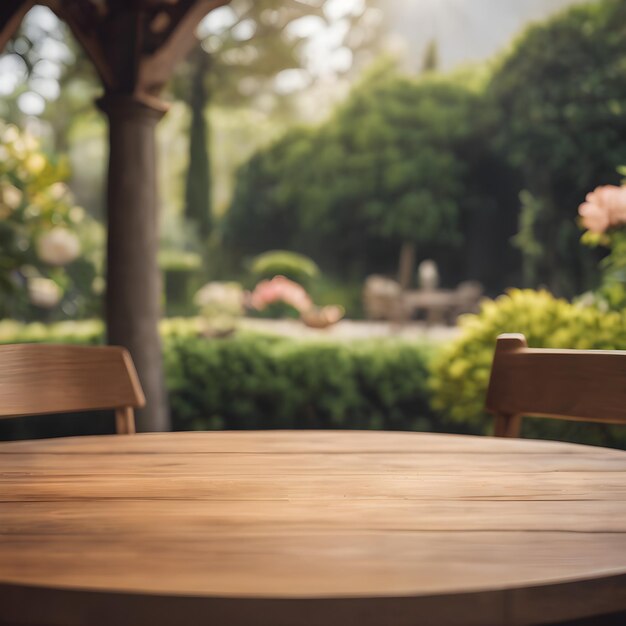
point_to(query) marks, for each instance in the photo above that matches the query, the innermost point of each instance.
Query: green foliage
(198, 208)
(561, 95)
(460, 371)
(292, 265)
(611, 294)
(262, 382)
(397, 145)
(87, 331)
(614, 270)
(264, 212)
(397, 162)
(525, 239)
(179, 261)
(181, 277)
(83, 332)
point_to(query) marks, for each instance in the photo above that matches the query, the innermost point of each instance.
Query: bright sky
(465, 30)
(325, 53)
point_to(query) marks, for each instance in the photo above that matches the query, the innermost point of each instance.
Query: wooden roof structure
(135, 46)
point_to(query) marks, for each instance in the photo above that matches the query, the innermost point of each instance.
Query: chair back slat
(44, 378)
(585, 385)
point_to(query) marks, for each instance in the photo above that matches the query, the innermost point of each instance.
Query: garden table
(309, 528)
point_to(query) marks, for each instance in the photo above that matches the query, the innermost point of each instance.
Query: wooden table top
(309, 528)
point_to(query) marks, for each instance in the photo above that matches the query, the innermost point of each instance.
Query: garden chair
(581, 385)
(38, 379)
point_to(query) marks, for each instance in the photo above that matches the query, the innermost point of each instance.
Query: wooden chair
(582, 385)
(40, 378)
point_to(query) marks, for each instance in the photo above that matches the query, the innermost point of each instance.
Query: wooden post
(133, 300)
(407, 265)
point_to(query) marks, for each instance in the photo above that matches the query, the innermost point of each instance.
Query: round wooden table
(309, 528)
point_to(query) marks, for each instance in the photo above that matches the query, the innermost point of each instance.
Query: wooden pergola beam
(176, 43)
(135, 45)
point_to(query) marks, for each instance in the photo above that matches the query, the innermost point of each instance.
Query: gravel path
(352, 329)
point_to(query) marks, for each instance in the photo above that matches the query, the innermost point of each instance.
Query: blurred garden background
(356, 198)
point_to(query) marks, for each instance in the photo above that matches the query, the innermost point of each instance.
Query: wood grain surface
(579, 385)
(47, 378)
(309, 528)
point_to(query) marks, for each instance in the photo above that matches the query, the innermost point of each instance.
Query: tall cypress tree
(198, 207)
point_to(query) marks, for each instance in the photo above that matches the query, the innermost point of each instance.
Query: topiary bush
(292, 265)
(264, 382)
(460, 370)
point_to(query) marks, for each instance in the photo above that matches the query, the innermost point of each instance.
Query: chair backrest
(583, 385)
(44, 378)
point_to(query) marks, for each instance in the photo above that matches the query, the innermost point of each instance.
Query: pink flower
(279, 289)
(595, 217)
(605, 207)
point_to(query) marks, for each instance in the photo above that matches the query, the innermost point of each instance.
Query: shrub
(81, 332)
(460, 370)
(282, 262)
(43, 271)
(263, 382)
(86, 331)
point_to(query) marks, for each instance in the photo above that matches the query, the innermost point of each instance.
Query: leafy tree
(391, 168)
(264, 212)
(411, 180)
(561, 94)
(248, 43)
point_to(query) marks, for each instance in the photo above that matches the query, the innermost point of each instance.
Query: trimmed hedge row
(262, 382)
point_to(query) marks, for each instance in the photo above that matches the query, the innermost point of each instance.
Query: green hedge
(262, 382)
(90, 332)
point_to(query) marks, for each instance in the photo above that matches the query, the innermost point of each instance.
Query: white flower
(10, 134)
(220, 297)
(11, 196)
(44, 293)
(58, 190)
(58, 246)
(77, 214)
